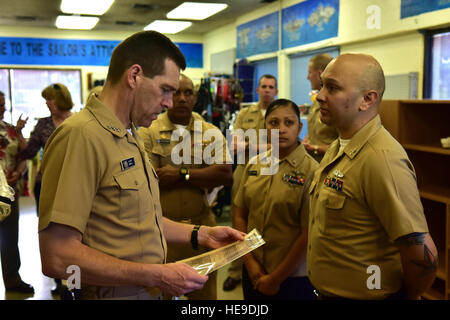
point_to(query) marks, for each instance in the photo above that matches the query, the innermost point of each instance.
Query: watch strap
(194, 237)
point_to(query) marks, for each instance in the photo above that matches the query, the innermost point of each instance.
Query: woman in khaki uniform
(277, 206)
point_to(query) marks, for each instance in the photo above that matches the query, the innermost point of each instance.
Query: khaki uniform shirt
(247, 118)
(362, 199)
(277, 205)
(318, 132)
(97, 179)
(187, 203)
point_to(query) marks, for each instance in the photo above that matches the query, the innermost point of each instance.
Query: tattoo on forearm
(429, 263)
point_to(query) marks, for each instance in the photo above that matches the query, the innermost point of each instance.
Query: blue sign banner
(67, 52)
(258, 36)
(193, 53)
(415, 7)
(308, 22)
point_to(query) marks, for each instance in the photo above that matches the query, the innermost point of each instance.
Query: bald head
(366, 71)
(184, 77)
(352, 88)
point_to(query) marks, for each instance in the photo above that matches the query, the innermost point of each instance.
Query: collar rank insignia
(334, 183)
(294, 179)
(127, 163)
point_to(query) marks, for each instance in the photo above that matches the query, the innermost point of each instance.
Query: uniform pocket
(248, 125)
(335, 201)
(161, 153)
(129, 185)
(162, 150)
(331, 220)
(126, 181)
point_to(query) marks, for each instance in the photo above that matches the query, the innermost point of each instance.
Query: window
(25, 87)
(300, 85)
(4, 87)
(437, 65)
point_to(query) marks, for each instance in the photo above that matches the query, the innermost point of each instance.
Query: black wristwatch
(185, 173)
(194, 237)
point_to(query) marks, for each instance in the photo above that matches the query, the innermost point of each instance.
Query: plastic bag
(6, 197)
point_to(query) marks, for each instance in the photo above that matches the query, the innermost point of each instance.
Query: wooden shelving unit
(419, 126)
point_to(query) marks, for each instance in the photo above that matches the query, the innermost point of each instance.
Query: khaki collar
(255, 107)
(166, 125)
(294, 158)
(362, 136)
(106, 117)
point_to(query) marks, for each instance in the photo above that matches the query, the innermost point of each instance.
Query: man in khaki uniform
(184, 186)
(248, 118)
(319, 136)
(368, 237)
(99, 208)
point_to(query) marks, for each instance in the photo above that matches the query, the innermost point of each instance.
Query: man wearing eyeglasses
(100, 209)
(185, 179)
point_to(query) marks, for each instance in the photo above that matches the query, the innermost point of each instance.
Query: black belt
(320, 296)
(399, 295)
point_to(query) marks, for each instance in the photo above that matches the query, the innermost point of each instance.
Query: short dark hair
(320, 61)
(268, 76)
(149, 49)
(281, 103)
(2, 94)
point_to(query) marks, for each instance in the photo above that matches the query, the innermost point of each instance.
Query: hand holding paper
(215, 259)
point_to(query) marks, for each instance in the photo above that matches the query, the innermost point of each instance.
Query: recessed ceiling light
(92, 7)
(196, 10)
(166, 26)
(76, 22)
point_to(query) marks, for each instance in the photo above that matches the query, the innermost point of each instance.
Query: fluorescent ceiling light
(92, 7)
(76, 22)
(196, 10)
(166, 26)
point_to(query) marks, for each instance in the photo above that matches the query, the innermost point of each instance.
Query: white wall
(396, 43)
(397, 54)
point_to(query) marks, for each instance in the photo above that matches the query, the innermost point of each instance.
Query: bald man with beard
(368, 236)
